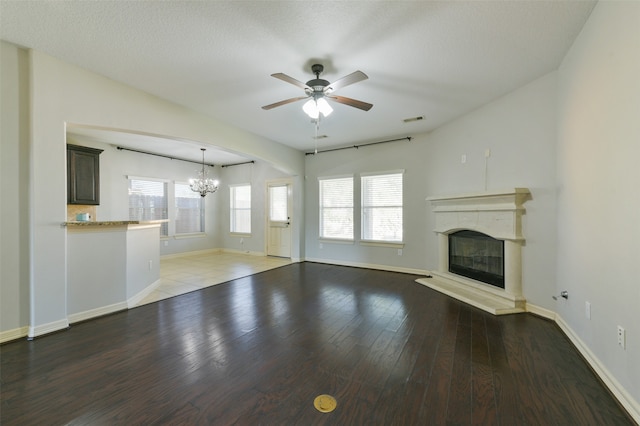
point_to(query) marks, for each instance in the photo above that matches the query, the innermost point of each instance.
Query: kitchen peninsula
(111, 265)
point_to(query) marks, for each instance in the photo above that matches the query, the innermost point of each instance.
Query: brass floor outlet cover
(325, 403)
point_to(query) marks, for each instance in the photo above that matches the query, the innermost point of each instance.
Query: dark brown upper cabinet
(83, 175)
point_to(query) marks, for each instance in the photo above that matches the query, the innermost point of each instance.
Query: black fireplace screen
(477, 256)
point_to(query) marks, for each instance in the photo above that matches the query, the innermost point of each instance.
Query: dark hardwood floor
(259, 349)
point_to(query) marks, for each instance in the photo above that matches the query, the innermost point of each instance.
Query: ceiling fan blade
(354, 77)
(286, 101)
(291, 80)
(351, 102)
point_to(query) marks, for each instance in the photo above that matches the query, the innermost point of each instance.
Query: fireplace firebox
(477, 256)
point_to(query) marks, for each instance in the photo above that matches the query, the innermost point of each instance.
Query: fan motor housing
(317, 84)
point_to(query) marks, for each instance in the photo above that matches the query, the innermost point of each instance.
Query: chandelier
(203, 184)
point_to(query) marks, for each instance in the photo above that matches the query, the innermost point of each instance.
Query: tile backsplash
(74, 209)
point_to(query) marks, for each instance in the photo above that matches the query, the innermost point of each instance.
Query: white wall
(404, 155)
(143, 259)
(96, 269)
(256, 175)
(598, 195)
(520, 131)
(14, 181)
(60, 94)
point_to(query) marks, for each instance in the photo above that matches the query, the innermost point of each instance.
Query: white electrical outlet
(150, 264)
(399, 252)
(166, 243)
(622, 337)
(587, 310)
(321, 245)
(487, 153)
(463, 159)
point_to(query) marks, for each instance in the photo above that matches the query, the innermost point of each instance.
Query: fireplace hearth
(480, 249)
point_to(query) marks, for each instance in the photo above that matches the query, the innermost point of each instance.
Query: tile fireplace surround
(497, 214)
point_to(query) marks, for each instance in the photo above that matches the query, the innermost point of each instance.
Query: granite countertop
(114, 222)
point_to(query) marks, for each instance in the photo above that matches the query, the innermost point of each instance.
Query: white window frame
(365, 210)
(233, 209)
(323, 236)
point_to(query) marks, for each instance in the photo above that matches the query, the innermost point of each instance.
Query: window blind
(336, 208)
(148, 201)
(240, 214)
(382, 207)
(189, 210)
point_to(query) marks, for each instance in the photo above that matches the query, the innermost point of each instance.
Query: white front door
(279, 219)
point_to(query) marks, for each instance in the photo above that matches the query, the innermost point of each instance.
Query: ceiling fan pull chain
(316, 138)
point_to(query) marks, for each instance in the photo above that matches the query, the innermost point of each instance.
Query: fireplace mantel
(497, 214)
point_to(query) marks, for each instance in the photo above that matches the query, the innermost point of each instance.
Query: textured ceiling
(423, 58)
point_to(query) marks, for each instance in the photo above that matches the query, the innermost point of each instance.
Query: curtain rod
(120, 148)
(238, 164)
(408, 138)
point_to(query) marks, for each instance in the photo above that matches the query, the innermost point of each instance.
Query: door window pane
(278, 211)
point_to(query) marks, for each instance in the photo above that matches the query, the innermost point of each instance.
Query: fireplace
(477, 256)
(480, 249)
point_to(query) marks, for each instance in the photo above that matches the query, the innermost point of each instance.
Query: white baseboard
(190, 253)
(39, 330)
(16, 333)
(97, 312)
(370, 266)
(538, 310)
(225, 250)
(134, 300)
(632, 406)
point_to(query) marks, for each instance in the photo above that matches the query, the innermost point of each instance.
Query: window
(240, 214)
(382, 207)
(148, 201)
(189, 210)
(336, 208)
(278, 203)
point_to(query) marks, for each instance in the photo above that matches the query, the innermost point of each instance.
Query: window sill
(397, 245)
(185, 236)
(335, 241)
(240, 234)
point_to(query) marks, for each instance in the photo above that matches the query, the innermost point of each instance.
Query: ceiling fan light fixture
(314, 107)
(317, 90)
(311, 109)
(324, 107)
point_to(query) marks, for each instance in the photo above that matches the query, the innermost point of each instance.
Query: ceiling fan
(318, 90)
